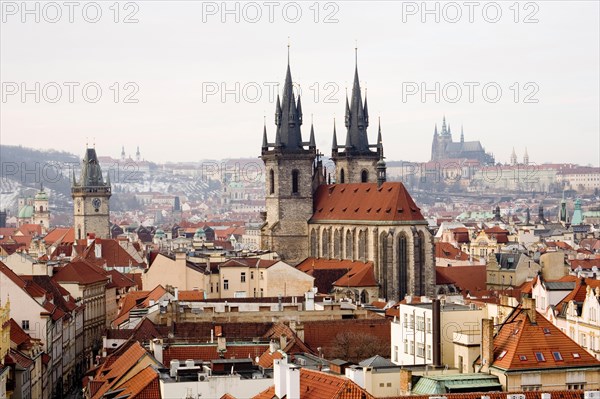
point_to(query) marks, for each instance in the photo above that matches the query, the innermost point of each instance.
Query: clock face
(96, 202)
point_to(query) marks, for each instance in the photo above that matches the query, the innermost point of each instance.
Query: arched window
(342, 176)
(402, 266)
(41, 208)
(362, 245)
(349, 245)
(325, 244)
(385, 269)
(271, 182)
(364, 176)
(313, 243)
(420, 262)
(337, 244)
(295, 181)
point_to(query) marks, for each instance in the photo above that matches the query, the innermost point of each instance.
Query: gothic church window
(364, 176)
(342, 176)
(295, 182)
(271, 182)
(402, 266)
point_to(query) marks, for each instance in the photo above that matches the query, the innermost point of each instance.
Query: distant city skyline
(178, 61)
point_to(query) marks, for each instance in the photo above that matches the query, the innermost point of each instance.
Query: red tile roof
(18, 335)
(191, 296)
(578, 293)
(521, 344)
(317, 384)
(323, 333)
(81, 272)
(143, 385)
(584, 263)
(330, 272)
(209, 351)
(365, 201)
(448, 251)
(248, 262)
(466, 278)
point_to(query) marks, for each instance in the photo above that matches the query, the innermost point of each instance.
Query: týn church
(360, 217)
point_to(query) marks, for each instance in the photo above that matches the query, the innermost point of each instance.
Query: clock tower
(91, 196)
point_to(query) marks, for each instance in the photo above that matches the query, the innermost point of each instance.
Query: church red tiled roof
(365, 201)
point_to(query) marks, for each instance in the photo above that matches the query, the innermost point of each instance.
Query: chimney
(529, 309)
(279, 376)
(405, 381)
(98, 248)
(273, 346)
(221, 343)
(487, 343)
(156, 345)
(293, 382)
(282, 341)
(437, 332)
(176, 294)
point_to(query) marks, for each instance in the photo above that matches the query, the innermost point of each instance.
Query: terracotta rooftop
(81, 272)
(365, 201)
(523, 345)
(448, 251)
(466, 278)
(209, 351)
(190, 296)
(248, 262)
(330, 272)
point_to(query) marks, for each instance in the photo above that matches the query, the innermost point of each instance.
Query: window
(428, 352)
(523, 358)
(225, 285)
(405, 320)
(583, 340)
(295, 182)
(428, 325)
(262, 292)
(217, 286)
(501, 355)
(412, 322)
(420, 323)
(405, 345)
(389, 384)
(25, 325)
(395, 353)
(243, 277)
(420, 350)
(546, 330)
(540, 357)
(254, 292)
(580, 386)
(342, 176)
(411, 348)
(251, 275)
(557, 356)
(531, 387)
(364, 176)
(271, 182)
(211, 288)
(576, 356)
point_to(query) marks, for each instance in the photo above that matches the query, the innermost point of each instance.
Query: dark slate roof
(559, 285)
(508, 261)
(377, 362)
(464, 146)
(91, 173)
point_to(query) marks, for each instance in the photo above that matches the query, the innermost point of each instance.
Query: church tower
(355, 162)
(292, 175)
(41, 213)
(91, 196)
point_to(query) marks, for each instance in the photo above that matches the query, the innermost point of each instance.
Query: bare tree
(356, 346)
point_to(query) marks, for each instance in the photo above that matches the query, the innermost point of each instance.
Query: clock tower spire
(91, 196)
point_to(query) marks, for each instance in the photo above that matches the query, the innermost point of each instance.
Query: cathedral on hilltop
(91, 194)
(360, 217)
(443, 147)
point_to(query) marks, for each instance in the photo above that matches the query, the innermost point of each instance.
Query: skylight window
(540, 357)
(576, 356)
(557, 356)
(501, 355)
(546, 330)
(523, 358)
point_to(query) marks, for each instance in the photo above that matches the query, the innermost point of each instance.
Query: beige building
(508, 270)
(175, 271)
(252, 277)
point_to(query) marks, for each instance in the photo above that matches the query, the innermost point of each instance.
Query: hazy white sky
(179, 52)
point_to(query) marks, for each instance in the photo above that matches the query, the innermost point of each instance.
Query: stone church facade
(443, 147)
(360, 217)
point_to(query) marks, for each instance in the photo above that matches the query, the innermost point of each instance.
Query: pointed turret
(379, 140)
(435, 131)
(513, 157)
(357, 120)
(265, 143)
(288, 118)
(526, 157)
(311, 142)
(381, 166)
(444, 130)
(334, 144)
